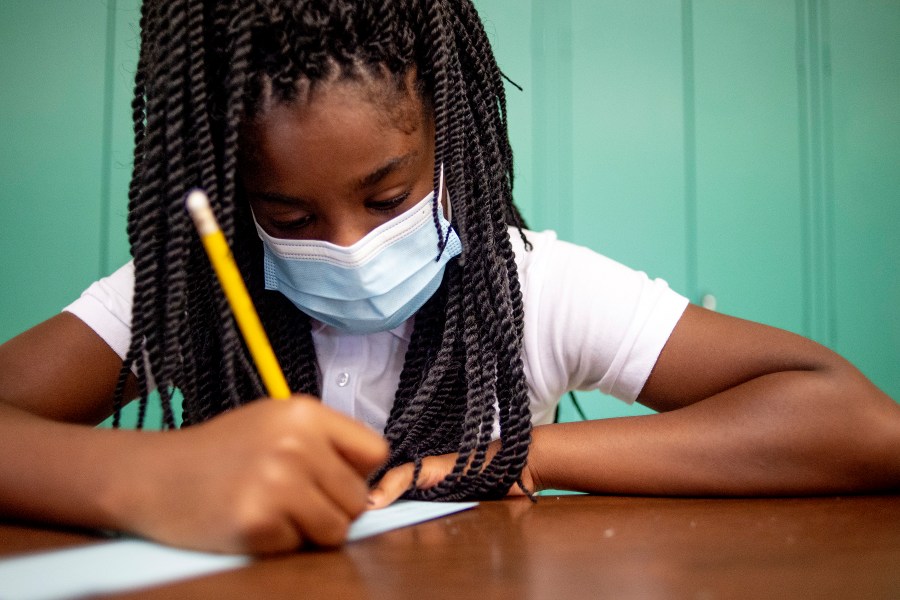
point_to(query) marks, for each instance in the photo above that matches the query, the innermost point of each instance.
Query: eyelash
(391, 204)
(383, 206)
(295, 224)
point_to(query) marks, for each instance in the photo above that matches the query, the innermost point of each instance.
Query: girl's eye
(387, 205)
(293, 224)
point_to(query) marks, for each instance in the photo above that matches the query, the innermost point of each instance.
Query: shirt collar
(402, 331)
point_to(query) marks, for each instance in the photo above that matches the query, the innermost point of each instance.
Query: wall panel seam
(106, 153)
(690, 148)
(552, 115)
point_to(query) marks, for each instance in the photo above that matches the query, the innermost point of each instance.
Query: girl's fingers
(361, 447)
(396, 481)
(318, 520)
(340, 483)
(392, 485)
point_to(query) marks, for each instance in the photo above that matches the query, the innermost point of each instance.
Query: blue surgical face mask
(375, 284)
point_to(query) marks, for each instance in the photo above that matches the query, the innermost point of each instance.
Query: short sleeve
(590, 322)
(106, 308)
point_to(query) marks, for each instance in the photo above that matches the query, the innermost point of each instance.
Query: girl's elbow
(875, 453)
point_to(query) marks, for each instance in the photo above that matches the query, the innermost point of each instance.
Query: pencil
(236, 291)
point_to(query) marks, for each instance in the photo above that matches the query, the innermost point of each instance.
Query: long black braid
(203, 67)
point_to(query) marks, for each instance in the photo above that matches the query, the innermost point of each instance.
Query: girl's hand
(267, 477)
(434, 468)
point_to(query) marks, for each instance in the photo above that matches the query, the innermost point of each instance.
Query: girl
(357, 157)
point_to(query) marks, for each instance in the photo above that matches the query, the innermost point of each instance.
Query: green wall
(744, 151)
(66, 70)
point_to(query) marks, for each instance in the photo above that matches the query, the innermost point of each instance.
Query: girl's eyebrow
(387, 168)
(277, 198)
(367, 181)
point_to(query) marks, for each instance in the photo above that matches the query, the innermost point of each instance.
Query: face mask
(374, 285)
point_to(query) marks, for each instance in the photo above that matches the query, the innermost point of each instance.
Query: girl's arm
(745, 409)
(61, 370)
(266, 477)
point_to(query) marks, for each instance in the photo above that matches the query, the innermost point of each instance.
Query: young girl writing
(357, 158)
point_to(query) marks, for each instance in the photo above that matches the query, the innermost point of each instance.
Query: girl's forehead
(395, 98)
(337, 131)
(344, 109)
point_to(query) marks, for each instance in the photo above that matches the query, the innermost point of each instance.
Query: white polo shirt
(590, 323)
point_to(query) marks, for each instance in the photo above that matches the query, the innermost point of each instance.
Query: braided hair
(203, 68)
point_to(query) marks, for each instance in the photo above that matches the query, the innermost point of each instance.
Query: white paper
(401, 514)
(115, 566)
(123, 565)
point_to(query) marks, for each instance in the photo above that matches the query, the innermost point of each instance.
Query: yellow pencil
(238, 298)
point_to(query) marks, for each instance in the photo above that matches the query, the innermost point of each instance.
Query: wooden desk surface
(573, 547)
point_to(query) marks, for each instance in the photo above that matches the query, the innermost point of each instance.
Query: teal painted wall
(66, 70)
(746, 150)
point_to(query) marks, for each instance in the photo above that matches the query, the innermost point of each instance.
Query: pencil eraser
(197, 200)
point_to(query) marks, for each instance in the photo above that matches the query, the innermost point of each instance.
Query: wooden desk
(573, 547)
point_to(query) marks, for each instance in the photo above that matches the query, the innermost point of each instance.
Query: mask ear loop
(439, 196)
(443, 192)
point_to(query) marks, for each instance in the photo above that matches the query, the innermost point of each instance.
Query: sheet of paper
(129, 564)
(400, 514)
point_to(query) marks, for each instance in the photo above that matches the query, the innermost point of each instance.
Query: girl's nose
(348, 233)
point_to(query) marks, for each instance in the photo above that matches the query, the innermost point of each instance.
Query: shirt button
(343, 379)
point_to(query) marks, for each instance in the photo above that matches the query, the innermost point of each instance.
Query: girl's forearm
(64, 473)
(266, 477)
(788, 433)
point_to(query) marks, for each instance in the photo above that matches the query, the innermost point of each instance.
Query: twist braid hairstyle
(203, 67)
